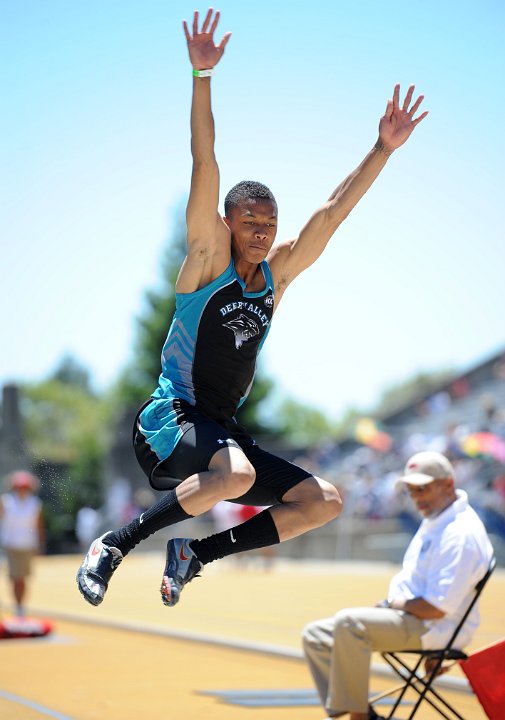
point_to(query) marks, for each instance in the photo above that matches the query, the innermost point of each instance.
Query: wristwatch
(384, 604)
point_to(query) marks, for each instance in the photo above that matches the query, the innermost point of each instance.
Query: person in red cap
(21, 531)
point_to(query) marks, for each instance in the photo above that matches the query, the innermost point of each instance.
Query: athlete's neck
(251, 274)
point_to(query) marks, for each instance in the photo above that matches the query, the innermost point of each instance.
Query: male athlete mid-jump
(232, 280)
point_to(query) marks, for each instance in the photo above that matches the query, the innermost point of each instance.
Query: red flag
(485, 670)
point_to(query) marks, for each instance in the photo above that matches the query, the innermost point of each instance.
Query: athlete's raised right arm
(208, 237)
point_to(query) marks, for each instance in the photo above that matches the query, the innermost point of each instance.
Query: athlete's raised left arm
(290, 258)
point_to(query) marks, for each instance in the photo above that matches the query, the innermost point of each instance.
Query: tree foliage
(67, 429)
(250, 414)
(304, 425)
(61, 421)
(140, 377)
(70, 372)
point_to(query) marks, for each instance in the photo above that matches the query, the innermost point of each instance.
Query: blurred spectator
(439, 403)
(246, 512)
(118, 502)
(489, 409)
(460, 388)
(499, 368)
(142, 500)
(22, 531)
(224, 515)
(86, 524)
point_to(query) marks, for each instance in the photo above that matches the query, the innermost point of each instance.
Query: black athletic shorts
(201, 438)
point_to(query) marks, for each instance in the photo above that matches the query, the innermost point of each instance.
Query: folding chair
(423, 684)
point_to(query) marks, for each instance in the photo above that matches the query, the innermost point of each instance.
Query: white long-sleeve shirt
(444, 561)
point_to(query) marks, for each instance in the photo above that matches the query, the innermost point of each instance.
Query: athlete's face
(432, 498)
(253, 226)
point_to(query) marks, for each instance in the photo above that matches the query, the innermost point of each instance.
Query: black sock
(164, 513)
(257, 532)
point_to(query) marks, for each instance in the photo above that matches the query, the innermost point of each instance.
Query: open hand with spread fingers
(397, 123)
(203, 52)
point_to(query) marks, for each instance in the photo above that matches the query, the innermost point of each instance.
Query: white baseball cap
(424, 467)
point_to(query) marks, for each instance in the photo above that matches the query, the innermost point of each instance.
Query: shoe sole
(168, 598)
(83, 590)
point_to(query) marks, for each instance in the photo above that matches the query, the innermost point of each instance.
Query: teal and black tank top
(209, 357)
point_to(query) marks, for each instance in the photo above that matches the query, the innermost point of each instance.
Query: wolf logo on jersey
(244, 329)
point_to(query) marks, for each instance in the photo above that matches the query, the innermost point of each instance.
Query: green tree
(139, 378)
(304, 425)
(67, 433)
(71, 372)
(250, 413)
(62, 421)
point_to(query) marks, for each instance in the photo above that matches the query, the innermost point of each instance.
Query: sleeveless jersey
(209, 357)
(19, 523)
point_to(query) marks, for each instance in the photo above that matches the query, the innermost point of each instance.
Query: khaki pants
(19, 563)
(339, 649)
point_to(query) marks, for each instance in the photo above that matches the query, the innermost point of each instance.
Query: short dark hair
(247, 190)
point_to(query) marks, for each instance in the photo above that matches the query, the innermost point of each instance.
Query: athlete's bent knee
(238, 482)
(321, 501)
(232, 474)
(318, 499)
(332, 502)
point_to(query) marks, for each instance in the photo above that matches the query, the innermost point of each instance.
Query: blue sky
(94, 137)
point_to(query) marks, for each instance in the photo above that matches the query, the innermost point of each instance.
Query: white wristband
(202, 73)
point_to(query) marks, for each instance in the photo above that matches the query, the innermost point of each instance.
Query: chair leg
(421, 686)
(408, 680)
(424, 696)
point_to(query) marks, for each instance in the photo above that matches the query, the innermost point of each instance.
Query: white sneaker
(96, 570)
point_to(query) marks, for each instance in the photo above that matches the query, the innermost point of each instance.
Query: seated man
(446, 558)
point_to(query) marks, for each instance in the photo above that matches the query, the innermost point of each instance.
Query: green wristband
(202, 73)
